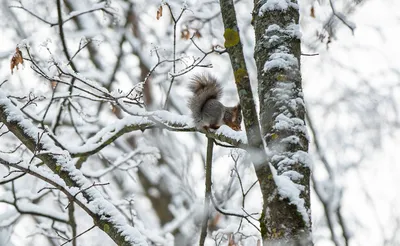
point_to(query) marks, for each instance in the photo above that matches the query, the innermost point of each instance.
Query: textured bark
(282, 117)
(235, 51)
(280, 93)
(255, 148)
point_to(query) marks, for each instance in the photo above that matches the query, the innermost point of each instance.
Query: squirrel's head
(236, 119)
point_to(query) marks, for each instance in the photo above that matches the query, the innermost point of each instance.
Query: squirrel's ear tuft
(237, 108)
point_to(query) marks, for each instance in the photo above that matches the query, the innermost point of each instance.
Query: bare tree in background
(342, 153)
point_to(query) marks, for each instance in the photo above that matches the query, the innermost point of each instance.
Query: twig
(342, 18)
(31, 13)
(2, 83)
(81, 47)
(314, 54)
(33, 213)
(13, 178)
(208, 182)
(233, 214)
(80, 234)
(175, 20)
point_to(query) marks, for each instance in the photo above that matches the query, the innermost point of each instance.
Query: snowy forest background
(155, 178)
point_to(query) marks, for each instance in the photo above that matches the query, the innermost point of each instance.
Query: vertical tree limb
(72, 222)
(207, 196)
(235, 51)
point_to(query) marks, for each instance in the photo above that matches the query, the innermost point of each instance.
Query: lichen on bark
(282, 118)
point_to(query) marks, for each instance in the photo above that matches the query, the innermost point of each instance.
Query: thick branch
(234, 48)
(104, 214)
(208, 183)
(158, 119)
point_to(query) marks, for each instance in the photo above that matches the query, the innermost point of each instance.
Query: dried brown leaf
(312, 12)
(185, 34)
(16, 60)
(159, 13)
(197, 34)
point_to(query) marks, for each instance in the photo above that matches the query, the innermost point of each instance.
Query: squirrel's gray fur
(204, 104)
(207, 110)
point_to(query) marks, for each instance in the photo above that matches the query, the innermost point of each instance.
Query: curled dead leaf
(185, 34)
(197, 34)
(16, 59)
(312, 12)
(159, 13)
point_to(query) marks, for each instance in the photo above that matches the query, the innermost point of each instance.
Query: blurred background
(351, 81)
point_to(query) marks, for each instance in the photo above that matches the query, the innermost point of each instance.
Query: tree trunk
(286, 218)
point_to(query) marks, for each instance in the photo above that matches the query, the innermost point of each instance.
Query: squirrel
(207, 110)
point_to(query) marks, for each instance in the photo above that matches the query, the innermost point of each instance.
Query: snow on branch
(66, 176)
(109, 134)
(156, 119)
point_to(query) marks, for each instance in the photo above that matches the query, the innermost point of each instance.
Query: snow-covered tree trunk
(286, 212)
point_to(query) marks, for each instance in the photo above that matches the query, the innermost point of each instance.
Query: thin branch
(72, 223)
(175, 20)
(314, 54)
(62, 35)
(78, 13)
(81, 47)
(28, 211)
(345, 233)
(12, 178)
(232, 214)
(327, 211)
(31, 13)
(340, 16)
(208, 183)
(80, 234)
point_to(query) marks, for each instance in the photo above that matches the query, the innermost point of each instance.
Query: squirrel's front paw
(213, 127)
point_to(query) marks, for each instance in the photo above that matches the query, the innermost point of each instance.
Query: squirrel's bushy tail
(204, 88)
